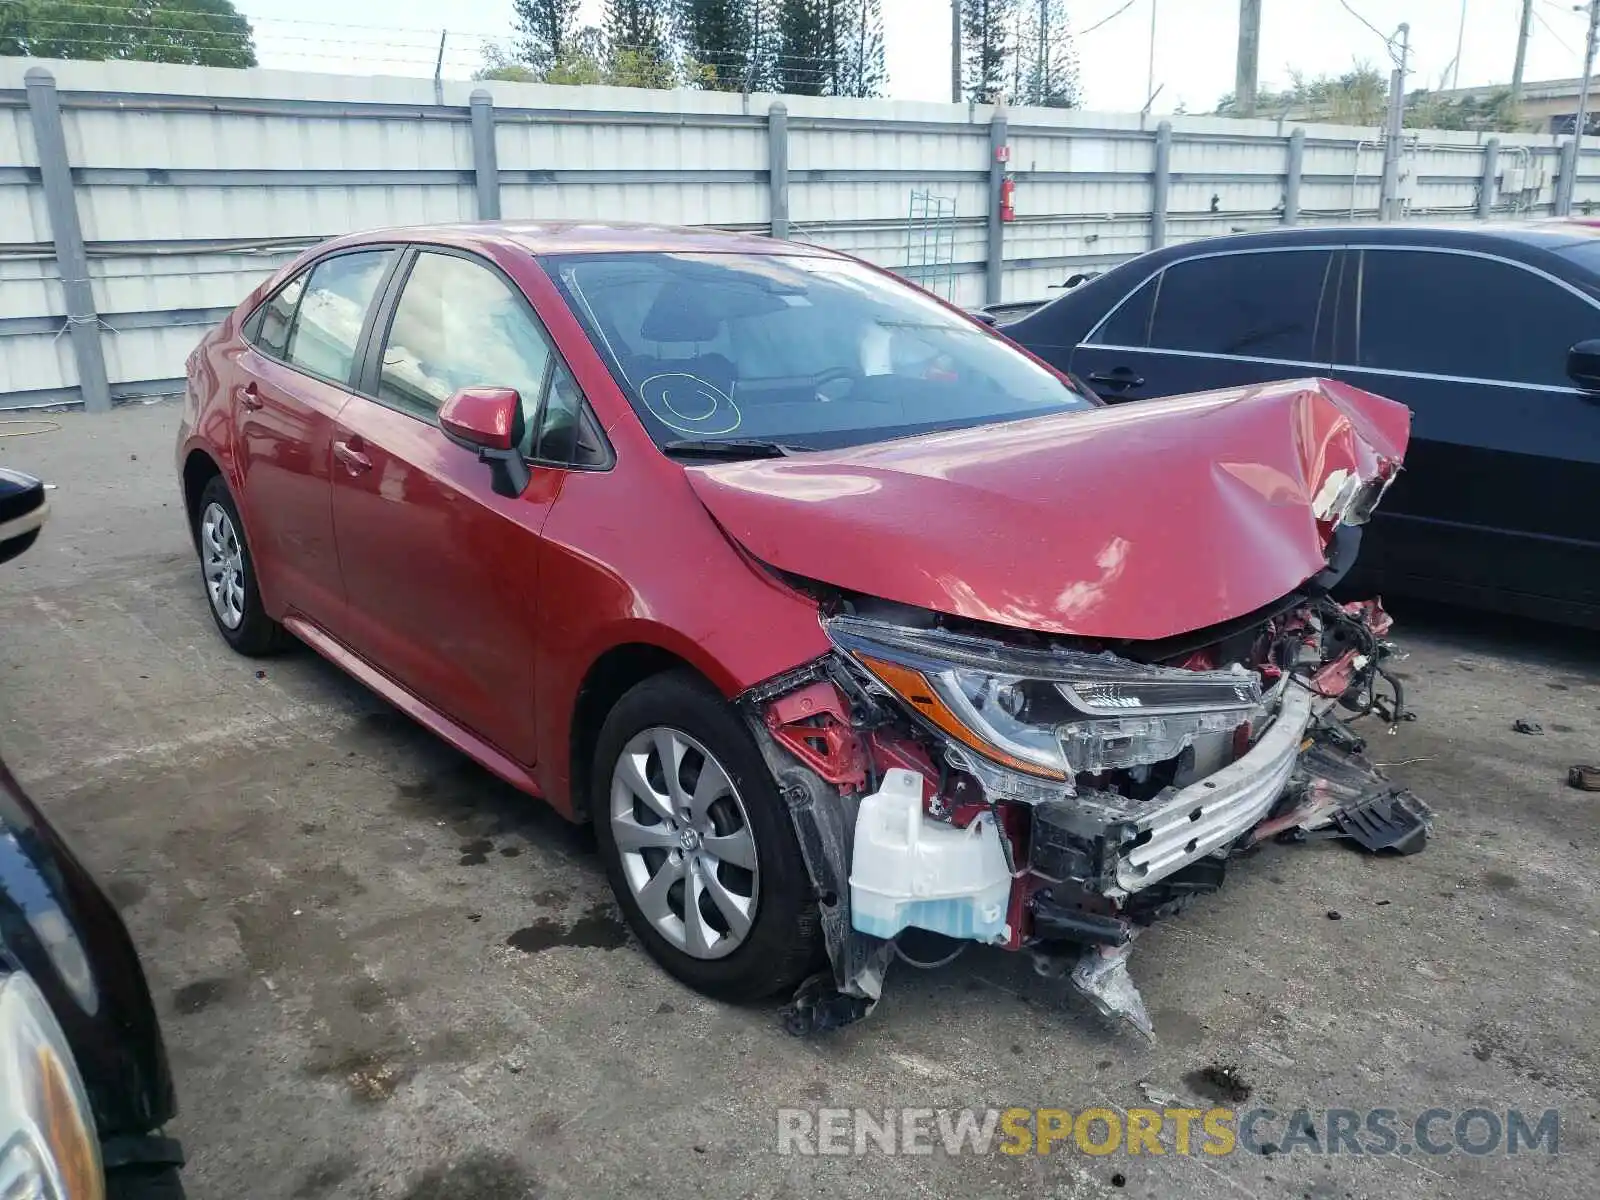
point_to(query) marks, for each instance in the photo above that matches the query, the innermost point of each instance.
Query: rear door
(442, 573)
(1216, 320)
(1502, 480)
(288, 388)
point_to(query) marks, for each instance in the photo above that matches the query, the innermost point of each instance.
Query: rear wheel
(229, 575)
(697, 845)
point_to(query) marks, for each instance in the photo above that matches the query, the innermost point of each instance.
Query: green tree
(546, 30)
(498, 63)
(636, 32)
(985, 26)
(718, 37)
(805, 62)
(861, 70)
(1357, 97)
(208, 33)
(1047, 61)
(1427, 110)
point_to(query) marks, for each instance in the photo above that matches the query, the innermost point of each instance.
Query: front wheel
(697, 844)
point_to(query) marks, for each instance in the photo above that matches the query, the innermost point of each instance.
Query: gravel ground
(384, 974)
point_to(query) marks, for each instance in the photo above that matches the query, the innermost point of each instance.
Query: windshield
(811, 352)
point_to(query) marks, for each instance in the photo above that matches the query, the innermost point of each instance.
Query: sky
(1193, 59)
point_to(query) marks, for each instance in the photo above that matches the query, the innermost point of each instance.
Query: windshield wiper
(732, 447)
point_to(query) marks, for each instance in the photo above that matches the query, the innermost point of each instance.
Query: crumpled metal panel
(1136, 522)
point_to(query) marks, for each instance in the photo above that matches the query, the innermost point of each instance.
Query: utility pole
(1393, 142)
(1244, 76)
(1044, 53)
(1150, 72)
(955, 51)
(1569, 180)
(1522, 53)
(1461, 37)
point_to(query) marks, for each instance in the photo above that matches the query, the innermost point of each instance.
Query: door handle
(354, 461)
(1121, 378)
(251, 396)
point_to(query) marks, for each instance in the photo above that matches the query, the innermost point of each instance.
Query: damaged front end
(1046, 794)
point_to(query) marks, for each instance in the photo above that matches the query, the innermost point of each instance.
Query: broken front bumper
(1208, 815)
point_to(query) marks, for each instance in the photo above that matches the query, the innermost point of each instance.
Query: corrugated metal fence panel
(22, 215)
(194, 183)
(131, 214)
(36, 362)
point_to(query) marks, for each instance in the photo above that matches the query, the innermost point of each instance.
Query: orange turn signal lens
(912, 686)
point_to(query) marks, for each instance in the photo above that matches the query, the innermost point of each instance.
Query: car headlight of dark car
(48, 1149)
(1047, 713)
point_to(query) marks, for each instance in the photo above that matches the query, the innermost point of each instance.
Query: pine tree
(545, 31)
(805, 58)
(1047, 62)
(986, 29)
(860, 49)
(636, 35)
(718, 37)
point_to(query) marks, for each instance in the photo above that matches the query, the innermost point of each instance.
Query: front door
(1216, 320)
(441, 573)
(1502, 480)
(289, 387)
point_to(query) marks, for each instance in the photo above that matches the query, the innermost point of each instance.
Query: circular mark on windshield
(688, 404)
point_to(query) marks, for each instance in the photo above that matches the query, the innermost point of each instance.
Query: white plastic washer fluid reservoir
(911, 870)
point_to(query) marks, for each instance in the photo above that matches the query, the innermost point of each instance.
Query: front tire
(697, 844)
(229, 575)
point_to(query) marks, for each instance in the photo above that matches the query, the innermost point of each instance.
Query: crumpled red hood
(1138, 522)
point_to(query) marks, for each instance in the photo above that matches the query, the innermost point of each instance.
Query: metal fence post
(1567, 184)
(1491, 172)
(1291, 179)
(995, 256)
(72, 262)
(778, 167)
(1160, 183)
(485, 164)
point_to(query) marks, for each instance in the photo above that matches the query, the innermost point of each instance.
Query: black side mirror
(988, 318)
(22, 512)
(1583, 365)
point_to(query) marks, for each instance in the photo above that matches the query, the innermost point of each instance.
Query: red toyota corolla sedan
(836, 613)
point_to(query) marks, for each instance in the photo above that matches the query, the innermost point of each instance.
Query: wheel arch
(199, 469)
(608, 678)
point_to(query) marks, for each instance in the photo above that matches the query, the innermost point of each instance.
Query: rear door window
(327, 326)
(1445, 313)
(1129, 325)
(1262, 305)
(271, 325)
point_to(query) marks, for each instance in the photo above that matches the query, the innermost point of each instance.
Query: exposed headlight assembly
(1051, 714)
(48, 1149)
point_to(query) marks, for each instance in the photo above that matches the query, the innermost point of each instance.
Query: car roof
(1544, 234)
(593, 237)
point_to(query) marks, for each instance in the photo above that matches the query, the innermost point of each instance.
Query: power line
(1561, 41)
(1388, 38)
(1105, 20)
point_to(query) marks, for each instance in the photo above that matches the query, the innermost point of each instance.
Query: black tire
(256, 634)
(785, 942)
(144, 1183)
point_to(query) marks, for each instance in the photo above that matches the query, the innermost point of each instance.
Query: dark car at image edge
(85, 1086)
